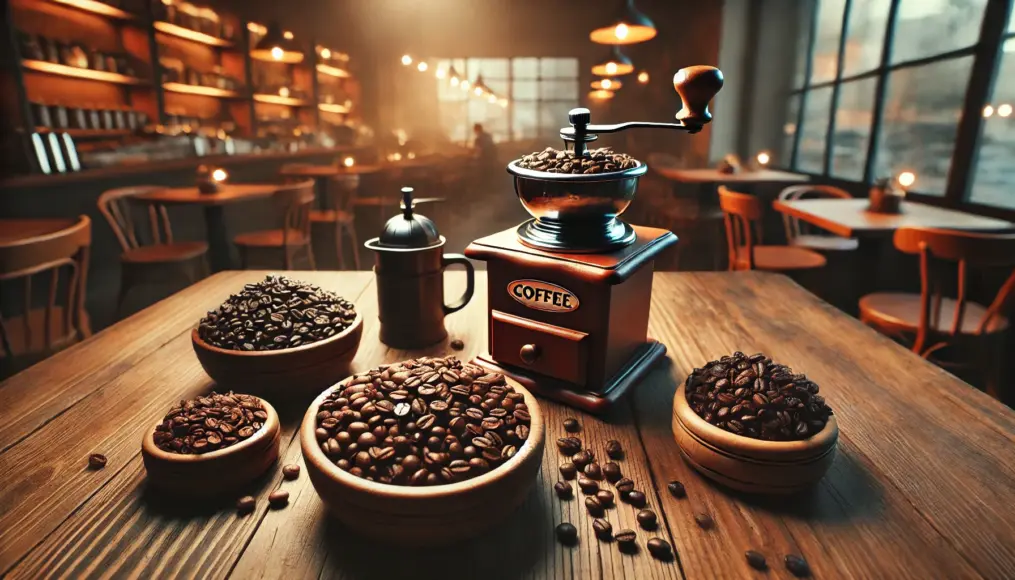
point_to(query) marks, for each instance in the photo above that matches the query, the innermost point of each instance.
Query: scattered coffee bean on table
(635, 498)
(96, 461)
(569, 445)
(612, 473)
(626, 540)
(624, 486)
(457, 344)
(588, 486)
(275, 314)
(594, 507)
(205, 424)
(605, 497)
(756, 560)
(568, 470)
(603, 529)
(797, 566)
(462, 422)
(245, 505)
(704, 521)
(563, 489)
(593, 471)
(614, 450)
(676, 489)
(567, 534)
(647, 519)
(602, 160)
(583, 458)
(278, 498)
(572, 425)
(291, 471)
(755, 397)
(660, 549)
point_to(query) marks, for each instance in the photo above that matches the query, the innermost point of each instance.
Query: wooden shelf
(278, 100)
(333, 71)
(87, 133)
(333, 108)
(97, 8)
(80, 73)
(192, 35)
(200, 90)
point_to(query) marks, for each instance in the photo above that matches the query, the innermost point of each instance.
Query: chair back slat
(342, 191)
(742, 216)
(115, 205)
(794, 228)
(295, 200)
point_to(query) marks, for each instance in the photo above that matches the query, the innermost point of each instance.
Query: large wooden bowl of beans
(466, 450)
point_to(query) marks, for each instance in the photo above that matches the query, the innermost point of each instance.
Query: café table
(216, 232)
(923, 484)
(14, 229)
(711, 175)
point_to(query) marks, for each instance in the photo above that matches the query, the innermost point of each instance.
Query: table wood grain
(228, 193)
(923, 485)
(707, 175)
(849, 217)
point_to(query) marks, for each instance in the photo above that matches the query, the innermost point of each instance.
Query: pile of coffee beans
(602, 160)
(755, 397)
(427, 421)
(206, 424)
(274, 314)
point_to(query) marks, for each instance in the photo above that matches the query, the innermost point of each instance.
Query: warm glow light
(988, 111)
(611, 68)
(348, 162)
(643, 77)
(411, 155)
(503, 103)
(1004, 110)
(764, 158)
(621, 31)
(257, 28)
(219, 175)
(907, 178)
(422, 66)
(325, 53)
(287, 35)
(478, 91)
(606, 84)
(492, 98)
(441, 73)
(277, 53)
(464, 85)
(283, 92)
(454, 81)
(406, 59)
(600, 95)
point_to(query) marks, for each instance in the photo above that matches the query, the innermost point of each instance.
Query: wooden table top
(923, 485)
(849, 217)
(15, 230)
(228, 193)
(328, 170)
(708, 175)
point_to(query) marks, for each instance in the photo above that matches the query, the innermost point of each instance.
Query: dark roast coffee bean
(291, 471)
(605, 497)
(96, 461)
(612, 473)
(756, 560)
(563, 489)
(635, 498)
(647, 519)
(457, 344)
(568, 470)
(704, 521)
(614, 450)
(624, 486)
(660, 549)
(593, 506)
(211, 422)
(676, 489)
(588, 486)
(572, 425)
(603, 529)
(626, 541)
(278, 498)
(602, 160)
(582, 458)
(245, 505)
(593, 471)
(797, 566)
(567, 534)
(569, 445)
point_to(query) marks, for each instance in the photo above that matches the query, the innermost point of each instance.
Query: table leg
(219, 245)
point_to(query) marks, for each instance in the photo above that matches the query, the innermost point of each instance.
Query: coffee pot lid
(409, 230)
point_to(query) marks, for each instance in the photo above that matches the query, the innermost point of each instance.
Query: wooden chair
(934, 323)
(163, 260)
(803, 235)
(742, 216)
(341, 192)
(38, 332)
(295, 200)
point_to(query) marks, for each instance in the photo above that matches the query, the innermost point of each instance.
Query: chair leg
(351, 228)
(338, 246)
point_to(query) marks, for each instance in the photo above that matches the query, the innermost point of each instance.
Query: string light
(406, 59)
(1004, 110)
(287, 35)
(988, 111)
(764, 158)
(422, 66)
(643, 77)
(325, 53)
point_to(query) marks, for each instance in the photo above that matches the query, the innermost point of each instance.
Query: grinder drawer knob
(529, 353)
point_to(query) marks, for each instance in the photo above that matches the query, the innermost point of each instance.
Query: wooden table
(15, 230)
(319, 171)
(707, 175)
(923, 485)
(216, 232)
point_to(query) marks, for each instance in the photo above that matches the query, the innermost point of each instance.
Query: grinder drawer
(549, 350)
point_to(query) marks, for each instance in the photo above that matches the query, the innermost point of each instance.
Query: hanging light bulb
(600, 95)
(325, 53)
(406, 59)
(615, 63)
(606, 84)
(277, 46)
(453, 75)
(464, 85)
(422, 66)
(441, 73)
(643, 77)
(628, 27)
(492, 98)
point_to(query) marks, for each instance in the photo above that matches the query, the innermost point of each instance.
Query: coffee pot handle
(470, 281)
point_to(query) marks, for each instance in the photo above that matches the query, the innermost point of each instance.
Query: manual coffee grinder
(569, 289)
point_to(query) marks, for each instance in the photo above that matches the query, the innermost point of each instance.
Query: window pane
(525, 68)
(552, 117)
(866, 35)
(817, 107)
(526, 120)
(490, 68)
(929, 27)
(789, 131)
(921, 118)
(852, 128)
(525, 90)
(558, 67)
(826, 42)
(804, 17)
(995, 171)
(557, 90)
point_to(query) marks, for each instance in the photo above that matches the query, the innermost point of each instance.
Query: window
(994, 178)
(540, 92)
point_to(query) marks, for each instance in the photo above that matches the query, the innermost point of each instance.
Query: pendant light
(629, 27)
(606, 84)
(479, 88)
(615, 64)
(277, 46)
(600, 95)
(453, 77)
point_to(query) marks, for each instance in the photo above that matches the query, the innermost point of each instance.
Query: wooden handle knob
(696, 86)
(529, 353)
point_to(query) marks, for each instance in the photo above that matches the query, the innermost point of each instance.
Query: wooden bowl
(311, 366)
(748, 464)
(424, 515)
(217, 472)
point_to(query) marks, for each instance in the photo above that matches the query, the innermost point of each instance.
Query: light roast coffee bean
(567, 534)
(96, 461)
(660, 549)
(603, 529)
(209, 423)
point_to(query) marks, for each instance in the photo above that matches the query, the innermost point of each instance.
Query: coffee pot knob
(696, 86)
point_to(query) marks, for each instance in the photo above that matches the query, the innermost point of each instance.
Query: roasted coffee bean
(676, 489)
(635, 498)
(594, 507)
(602, 160)
(278, 498)
(647, 519)
(563, 489)
(660, 549)
(797, 566)
(457, 344)
(605, 497)
(276, 313)
(569, 445)
(704, 521)
(754, 397)
(582, 458)
(593, 471)
(624, 486)
(588, 486)
(614, 450)
(626, 541)
(571, 425)
(568, 470)
(96, 461)
(612, 473)
(245, 505)
(567, 534)
(291, 471)
(215, 421)
(603, 529)
(756, 560)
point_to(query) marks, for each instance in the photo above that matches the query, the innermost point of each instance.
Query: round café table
(13, 230)
(321, 172)
(219, 244)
